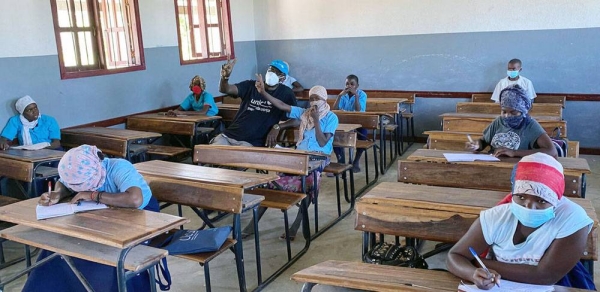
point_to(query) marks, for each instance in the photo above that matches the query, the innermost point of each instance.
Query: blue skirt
(578, 277)
(56, 275)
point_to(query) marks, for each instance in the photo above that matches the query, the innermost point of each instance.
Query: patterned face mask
(514, 122)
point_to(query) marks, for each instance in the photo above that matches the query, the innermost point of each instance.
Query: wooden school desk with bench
(186, 125)
(109, 236)
(27, 166)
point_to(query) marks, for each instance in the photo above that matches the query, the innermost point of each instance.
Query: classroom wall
(429, 45)
(29, 65)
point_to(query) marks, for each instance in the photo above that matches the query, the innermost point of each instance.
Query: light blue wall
(84, 100)
(557, 61)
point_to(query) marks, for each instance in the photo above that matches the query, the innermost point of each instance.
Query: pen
(49, 187)
(469, 137)
(481, 263)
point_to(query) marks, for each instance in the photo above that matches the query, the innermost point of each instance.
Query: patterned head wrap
(81, 169)
(197, 80)
(306, 120)
(23, 102)
(515, 97)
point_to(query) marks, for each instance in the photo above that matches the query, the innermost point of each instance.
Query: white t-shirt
(499, 225)
(289, 81)
(505, 82)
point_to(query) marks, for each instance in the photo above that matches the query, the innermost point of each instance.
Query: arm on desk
(130, 198)
(543, 142)
(54, 144)
(4, 143)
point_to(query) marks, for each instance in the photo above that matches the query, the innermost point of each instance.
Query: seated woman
(514, 133)
(199, 102)
(352, 99)
(86, 174)
(30, 127)
(317, 125)
(535, 236)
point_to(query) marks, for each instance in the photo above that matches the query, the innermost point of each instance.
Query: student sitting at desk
(317, 125)
(256, 122)
(30, 127)
(514, 133)
(534, 236)
(86, 173)
(198, 102)
(352, 99)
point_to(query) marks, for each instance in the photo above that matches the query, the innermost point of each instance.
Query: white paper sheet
(64, 209)
(508, 286)
(460, 157)
(36, 146)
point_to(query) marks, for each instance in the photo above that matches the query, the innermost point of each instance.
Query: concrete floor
(341, 242)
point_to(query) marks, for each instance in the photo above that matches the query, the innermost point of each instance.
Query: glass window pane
(63, 13)
(214, 39)
(85, 48)
(195, 19)
(211, 12)
(68, 49)
(119, 12)
(197, 41)
(123, 46)
(80, 12)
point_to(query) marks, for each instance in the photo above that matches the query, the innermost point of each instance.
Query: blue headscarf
(516, 98)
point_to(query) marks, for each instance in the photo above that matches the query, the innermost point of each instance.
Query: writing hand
(485, 281)
(171, 113)
(472, 146)
(49, 199)
(260, 85)
(504, 152)
(227, 68)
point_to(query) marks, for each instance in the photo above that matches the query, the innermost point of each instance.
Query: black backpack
(390, 254)
(561, 144)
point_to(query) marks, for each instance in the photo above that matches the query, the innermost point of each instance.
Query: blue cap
(281, 66)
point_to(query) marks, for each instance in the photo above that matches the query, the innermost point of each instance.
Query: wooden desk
(538, 109)
(22, 164)
(111, 141)
(347, 127)
(120, 228)
(466, 122)
(161, 123)
(380, 278)
(426, 166)
(201, 174)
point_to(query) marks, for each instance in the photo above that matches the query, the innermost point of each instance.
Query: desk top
(367, 113)
(269, 150)
(579, 165)
(121, 134)
(228, 106)
(202, 174)
(179, 118)
(385, 100)
(494, 116)
(32, 155)
(347, 127)
(117, 227)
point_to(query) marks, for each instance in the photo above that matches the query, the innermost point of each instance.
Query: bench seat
(276, 199)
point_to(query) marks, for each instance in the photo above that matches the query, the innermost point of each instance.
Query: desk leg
(27, 270)
(307, 287)
(365, 244)
(382, 146)
(121, 279)
(257, 243)
(77, 273)
(583, 186)
(239, 251)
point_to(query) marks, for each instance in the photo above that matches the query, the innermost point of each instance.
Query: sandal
(292, 237)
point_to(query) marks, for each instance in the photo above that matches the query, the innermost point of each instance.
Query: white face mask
(271, 78)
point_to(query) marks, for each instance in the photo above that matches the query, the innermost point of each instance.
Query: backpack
(384, 253)
(561, 144)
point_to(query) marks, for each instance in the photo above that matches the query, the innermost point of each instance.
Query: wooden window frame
(227, 28)
(99, 47)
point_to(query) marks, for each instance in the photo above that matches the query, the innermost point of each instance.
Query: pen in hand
(482, 265)
(469, 137)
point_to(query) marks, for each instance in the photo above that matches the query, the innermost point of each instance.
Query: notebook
(36, 146)
(64, 209)
(508, 286)
(469, 157)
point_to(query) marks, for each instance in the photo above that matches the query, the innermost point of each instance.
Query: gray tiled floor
(341, 242)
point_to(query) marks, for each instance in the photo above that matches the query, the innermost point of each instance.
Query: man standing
(257, 118)
(514, 72)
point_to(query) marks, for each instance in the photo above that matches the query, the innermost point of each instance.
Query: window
(204, 30)
(97, 37)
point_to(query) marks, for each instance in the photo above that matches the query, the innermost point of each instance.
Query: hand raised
(260, 85)
(227, 68)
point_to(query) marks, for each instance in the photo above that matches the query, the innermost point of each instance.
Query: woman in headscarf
(535, 235)
(198, 102)
(317, 125)
(30, 127)
(514, 133)
(86, 175)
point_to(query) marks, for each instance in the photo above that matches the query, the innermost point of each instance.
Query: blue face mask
(512, 74)
(529, 217)
(514, 122)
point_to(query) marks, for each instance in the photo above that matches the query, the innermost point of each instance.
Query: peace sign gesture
(260, 85)
(227, 67)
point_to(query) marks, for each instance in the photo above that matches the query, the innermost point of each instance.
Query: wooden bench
(542, 98)
(228, 111)
(449, 140)
(161, 151)
(466, 122)
(369, 277)
(343, 140)
(209, 197)
(538, 109)
(429, 167)
(437, 213)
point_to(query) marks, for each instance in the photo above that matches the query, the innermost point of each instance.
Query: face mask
(531, 218)
(513, 121)
(317, 103)
(196, 89)
(512, 74)
(271, 78)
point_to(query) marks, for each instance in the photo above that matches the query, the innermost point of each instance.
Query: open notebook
(64, 209)
(458, 157)
(37, 146)
(508, 286)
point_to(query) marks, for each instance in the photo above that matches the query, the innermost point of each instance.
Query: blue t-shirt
(46, 130)
(121, 175)
(190, 103)
(309, 142)
(347, 102)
